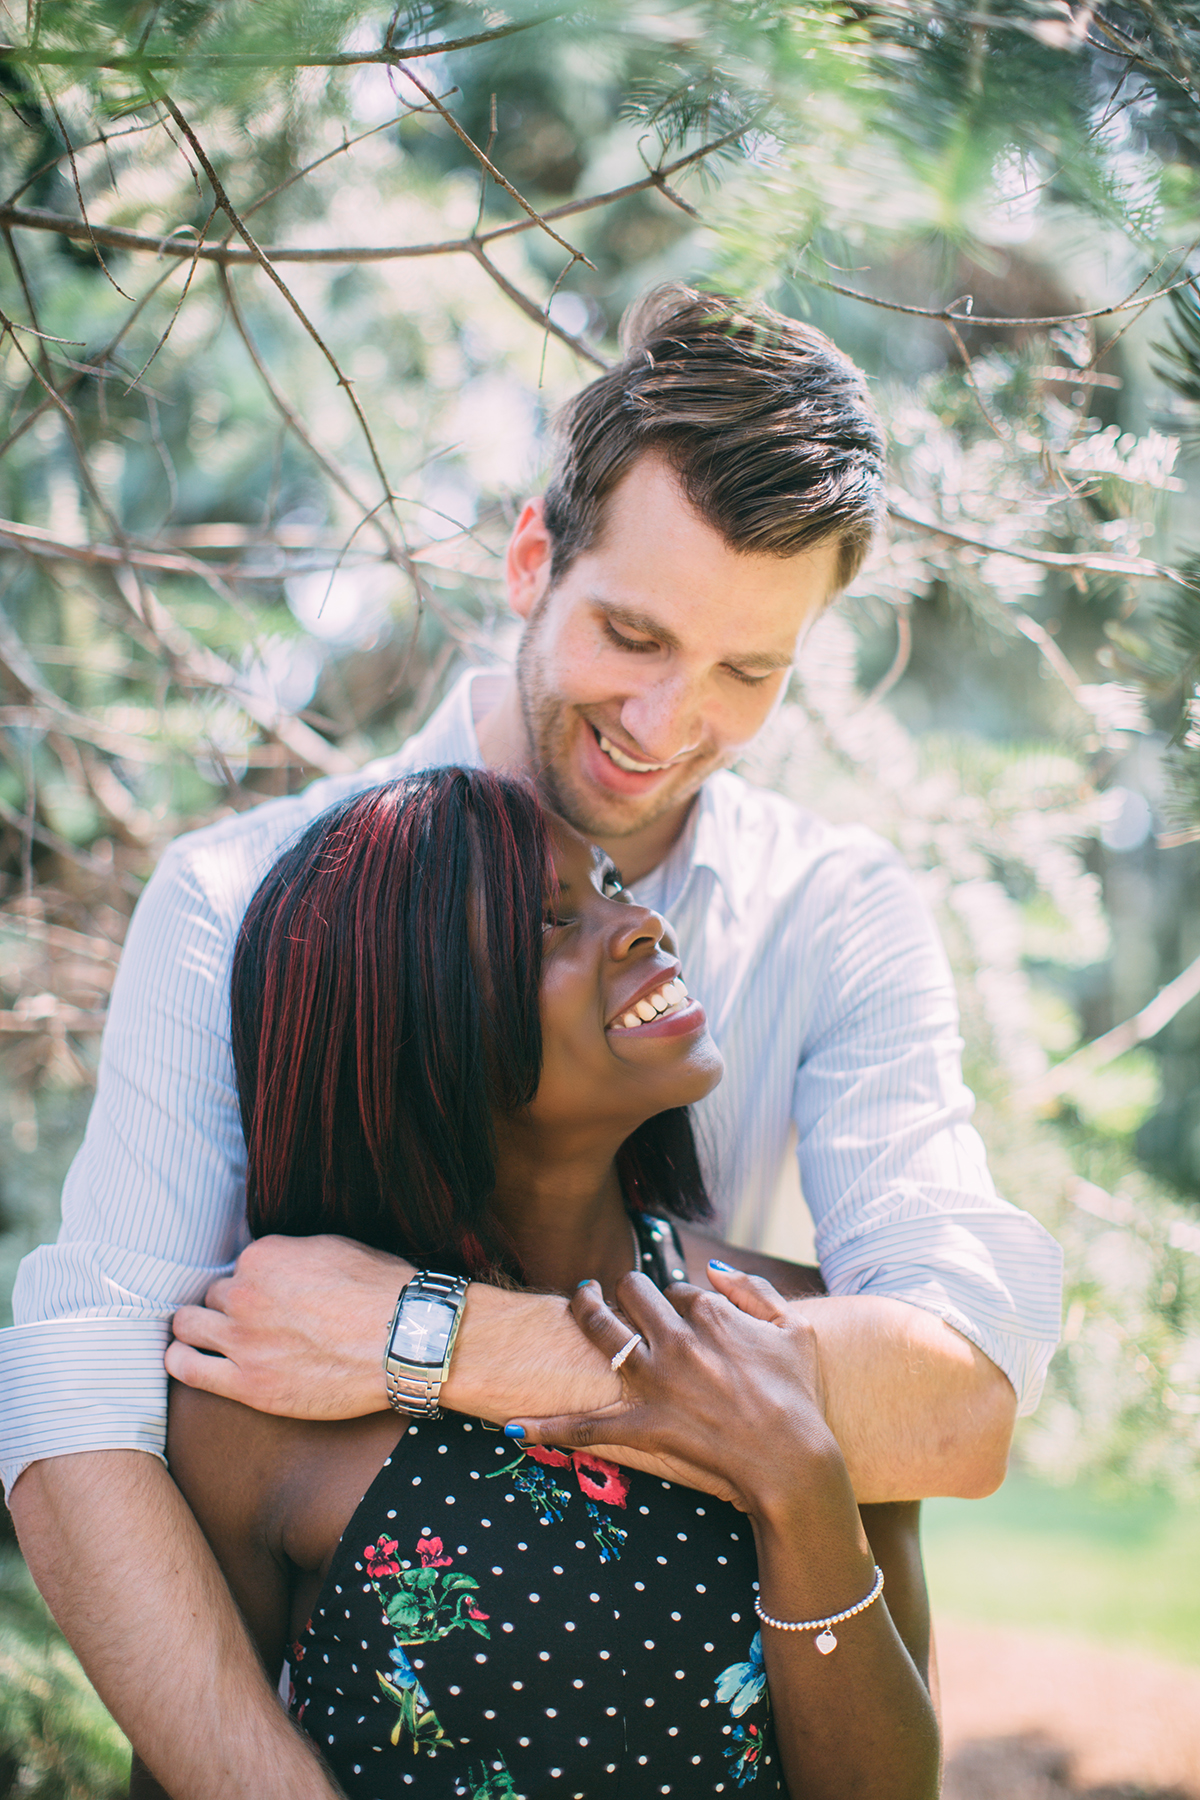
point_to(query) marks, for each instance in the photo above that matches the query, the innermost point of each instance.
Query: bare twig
(1103, 1050)
(485, 162)
(949, 314)
(79, 193)
(1102, 562)
(537, 313)
(33, 218)
(143, 61)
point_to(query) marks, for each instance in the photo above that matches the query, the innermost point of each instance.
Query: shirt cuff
(70, 1385)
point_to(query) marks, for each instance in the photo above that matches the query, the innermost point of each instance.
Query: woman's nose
(638, 927)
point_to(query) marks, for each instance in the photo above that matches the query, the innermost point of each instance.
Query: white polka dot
(649, 1700)
(486, 1522)
(557, 1570)
(441, 1449)
(456, 1690)
(695, 1759)
(579, 1544)
(551, 1712)
(610, 1768)
(643, 1509)
(496, 1570)
(583, 1743)
(661, 1559)
(568, 1625)
(449, 1499)
(489, 1715)
(723, 1560)
(462, 1549)
(640, 1586)
(524, 1743)
(522, 1546)
(416, 1481)
(604, 1656)
(700, 1512)
(544, 1655)
(535, 1598)
(481, 1658)
(709, 1648)
(704, 1703)
(577, 1682)
(736, 1617)
(509, 1498)
(643, 1759)
(700, 1588)
(611, 1711)
(555, 1772)
(679, 1674)
(518, 1685)
(593, 1597)
(649, 1643)
(506, 1627)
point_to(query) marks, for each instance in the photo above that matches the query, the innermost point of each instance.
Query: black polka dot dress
(507, 1622)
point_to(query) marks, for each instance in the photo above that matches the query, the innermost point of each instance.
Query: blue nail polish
(584, 1282)
(725, 1268)
(514, 1430)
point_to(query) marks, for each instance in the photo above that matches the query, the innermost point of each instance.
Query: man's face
(656, 658)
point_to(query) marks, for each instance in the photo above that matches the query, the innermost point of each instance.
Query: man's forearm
(134, 1586)
(523, 1353)
(916, 1409)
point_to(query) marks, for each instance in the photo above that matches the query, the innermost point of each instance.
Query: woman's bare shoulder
(795, 1281)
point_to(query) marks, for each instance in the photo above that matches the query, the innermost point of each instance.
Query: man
(709, 498)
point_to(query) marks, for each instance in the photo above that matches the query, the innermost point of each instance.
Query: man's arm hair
(129, 1577)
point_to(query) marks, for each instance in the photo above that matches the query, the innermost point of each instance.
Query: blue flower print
(740, 1685)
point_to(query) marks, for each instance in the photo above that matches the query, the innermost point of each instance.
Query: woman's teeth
(626, 762)
(671, 994)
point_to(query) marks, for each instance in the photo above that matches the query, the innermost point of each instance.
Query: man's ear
(528, 558)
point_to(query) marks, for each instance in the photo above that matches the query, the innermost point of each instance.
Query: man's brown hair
(766, 423)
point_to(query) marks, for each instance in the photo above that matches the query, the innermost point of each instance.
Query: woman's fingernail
(514, 1430)
(725, 1268)
(584, 1282)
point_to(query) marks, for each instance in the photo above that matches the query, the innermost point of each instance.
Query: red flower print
(473, 1611)
(601, 1480)
(381, 1558)
(554, 1459)
(430, 1552)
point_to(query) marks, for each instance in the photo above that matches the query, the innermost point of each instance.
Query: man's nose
(664, 719)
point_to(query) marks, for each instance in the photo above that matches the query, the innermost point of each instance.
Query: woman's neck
(564, 1212)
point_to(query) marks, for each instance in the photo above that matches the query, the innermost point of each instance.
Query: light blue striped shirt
(826, 988)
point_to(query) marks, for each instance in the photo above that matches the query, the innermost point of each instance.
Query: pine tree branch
(1102, 562)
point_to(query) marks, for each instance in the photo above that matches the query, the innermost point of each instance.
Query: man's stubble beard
(548, 724)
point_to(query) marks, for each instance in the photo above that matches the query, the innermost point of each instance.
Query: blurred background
(290, 290)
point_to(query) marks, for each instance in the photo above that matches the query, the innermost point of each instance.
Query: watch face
(422, 1332)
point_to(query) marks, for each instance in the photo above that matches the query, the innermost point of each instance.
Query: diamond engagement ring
(623, 1352)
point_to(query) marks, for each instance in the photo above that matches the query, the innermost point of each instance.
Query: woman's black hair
(385, 1008)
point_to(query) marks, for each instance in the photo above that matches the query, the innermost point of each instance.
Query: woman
(456, 1039)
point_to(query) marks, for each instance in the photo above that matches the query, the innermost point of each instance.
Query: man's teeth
(626, 762)
(671, 994)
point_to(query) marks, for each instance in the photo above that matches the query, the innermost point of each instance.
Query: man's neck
(504, 745)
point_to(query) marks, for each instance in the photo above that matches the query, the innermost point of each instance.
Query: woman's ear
(527, 561)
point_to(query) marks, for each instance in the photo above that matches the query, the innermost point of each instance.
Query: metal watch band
(412, 1389)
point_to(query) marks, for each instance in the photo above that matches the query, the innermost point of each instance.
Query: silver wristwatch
(421, 1341)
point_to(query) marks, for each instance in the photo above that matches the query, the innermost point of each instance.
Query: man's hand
(298, 1329)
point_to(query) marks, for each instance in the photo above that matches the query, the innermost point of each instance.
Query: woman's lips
(691, 1016)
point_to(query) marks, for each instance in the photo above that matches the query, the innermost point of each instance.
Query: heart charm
(826, 1642)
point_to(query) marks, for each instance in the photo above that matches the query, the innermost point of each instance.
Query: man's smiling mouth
(627, 762)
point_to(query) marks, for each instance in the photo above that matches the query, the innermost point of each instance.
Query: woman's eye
(612, 885)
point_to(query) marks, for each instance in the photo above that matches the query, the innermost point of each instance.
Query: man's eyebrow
(767, 662)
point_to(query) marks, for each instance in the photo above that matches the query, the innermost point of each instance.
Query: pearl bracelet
(826, 1642)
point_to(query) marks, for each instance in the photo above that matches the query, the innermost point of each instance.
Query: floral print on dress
(421, 1606)
(741, 1686)
(597, 1479)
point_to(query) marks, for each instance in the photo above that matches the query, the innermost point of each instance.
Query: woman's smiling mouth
(668, 998)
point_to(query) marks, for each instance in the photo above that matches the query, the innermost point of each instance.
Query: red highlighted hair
(385, 1009)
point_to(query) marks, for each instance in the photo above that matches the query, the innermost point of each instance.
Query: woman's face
(608, 963)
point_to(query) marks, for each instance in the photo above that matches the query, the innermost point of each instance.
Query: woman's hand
(727, 1383)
